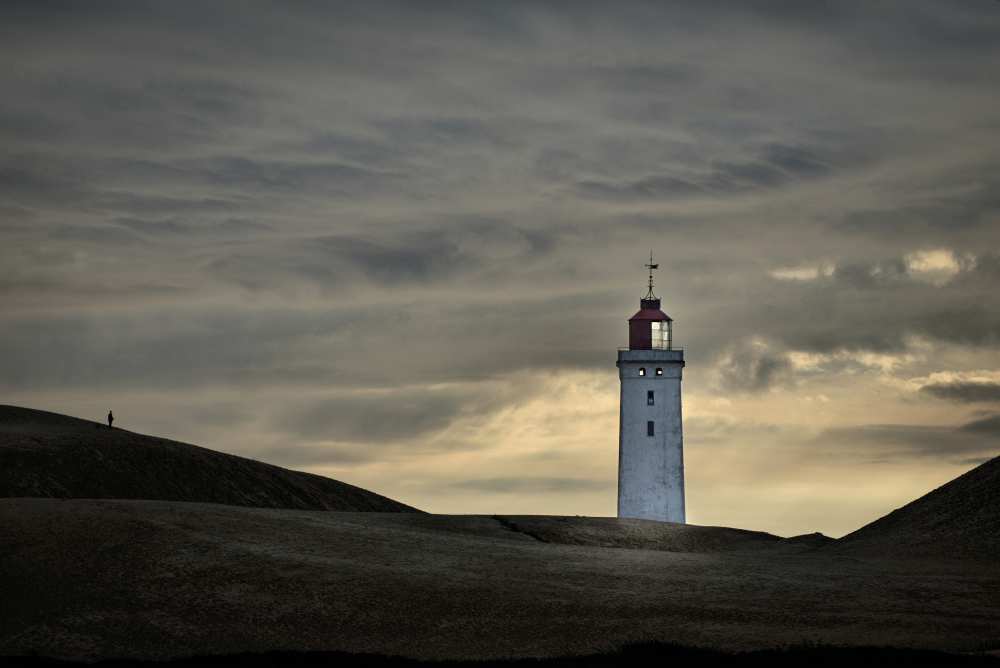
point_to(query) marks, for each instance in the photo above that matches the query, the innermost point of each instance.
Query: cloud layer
(352, 238)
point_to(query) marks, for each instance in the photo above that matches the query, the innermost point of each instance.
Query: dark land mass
(90, 579)
(642, 654)
(959, 519)
(139, 580)
(45, 454)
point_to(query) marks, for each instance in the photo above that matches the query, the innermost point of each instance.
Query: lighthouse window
(649, 397)
(642, 371)
(650, 430)
(658, 334)
(659, 371)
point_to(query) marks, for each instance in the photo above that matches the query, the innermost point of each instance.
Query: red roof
(650, 314)
(650, 310)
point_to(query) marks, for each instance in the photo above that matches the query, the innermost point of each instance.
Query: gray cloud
(534, 484)
(382, 417)
(748, 367)
(987, 426)
(334, 341)
(173, 229)
(935, 211)
(430, 255)
(975, 461)
(336, 179)
(877, 305)
(964, 392)
(772, 166)
(712, 431)
(352, 346)
(360, 197)
(294, 455)
(895, 441)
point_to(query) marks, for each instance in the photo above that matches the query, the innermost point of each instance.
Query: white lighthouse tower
(650, 437)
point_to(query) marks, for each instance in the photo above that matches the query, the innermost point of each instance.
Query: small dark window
(659, 371)
(649, 397)
(642, 371)
(650, 430)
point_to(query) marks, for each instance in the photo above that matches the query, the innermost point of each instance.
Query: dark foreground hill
(89, 579)
(960, 519)
(639, 655)
(86, 578)
(45, 454)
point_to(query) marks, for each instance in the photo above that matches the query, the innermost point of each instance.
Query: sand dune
(637, 534)
(959, 520)
(50, 455)
(156, 579)
(99, 578)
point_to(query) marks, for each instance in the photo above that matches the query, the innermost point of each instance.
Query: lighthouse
(650, 436)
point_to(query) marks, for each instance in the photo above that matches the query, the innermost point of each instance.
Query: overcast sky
(397, 244)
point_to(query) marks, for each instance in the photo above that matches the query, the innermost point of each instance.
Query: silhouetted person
(111, 418)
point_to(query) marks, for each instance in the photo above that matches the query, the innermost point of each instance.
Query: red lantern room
(650, 328)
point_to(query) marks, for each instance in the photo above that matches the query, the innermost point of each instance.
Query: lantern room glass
(661, 335)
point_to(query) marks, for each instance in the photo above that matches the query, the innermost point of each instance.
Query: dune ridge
(46, 454)
(958, 520)
(131, 578)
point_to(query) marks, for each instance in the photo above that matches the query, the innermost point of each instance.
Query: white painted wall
(651, 469)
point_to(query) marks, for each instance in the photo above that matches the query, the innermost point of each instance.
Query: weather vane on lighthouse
(651, 266)
(650, 436)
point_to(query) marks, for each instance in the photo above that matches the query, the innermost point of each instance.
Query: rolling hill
(960, 519)
(96, 579)
(45, 454)
(153, 549)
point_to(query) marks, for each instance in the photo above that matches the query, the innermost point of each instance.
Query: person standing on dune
(111, 418)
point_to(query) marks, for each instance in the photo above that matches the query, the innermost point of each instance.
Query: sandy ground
(96, 578)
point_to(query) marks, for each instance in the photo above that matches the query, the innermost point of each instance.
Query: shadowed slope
(45, 454)
(637, 534)
(960, 519)
(156, 579)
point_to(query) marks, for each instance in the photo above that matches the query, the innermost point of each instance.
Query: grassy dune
(50, 455)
